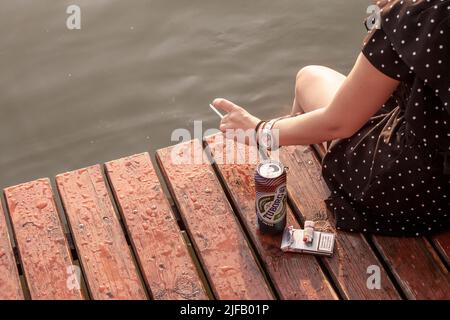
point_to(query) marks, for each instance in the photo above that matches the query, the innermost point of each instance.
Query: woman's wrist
(274, 125)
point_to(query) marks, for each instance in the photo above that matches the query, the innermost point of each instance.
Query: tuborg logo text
(270, 206)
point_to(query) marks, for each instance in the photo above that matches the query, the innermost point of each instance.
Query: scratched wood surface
(99, 240)
(353, 255)
(43, 248)
(217, 237)
(416, 267)
(10, 288)
(442, 242)
(408, 257)
(160, 249)
(295, 276)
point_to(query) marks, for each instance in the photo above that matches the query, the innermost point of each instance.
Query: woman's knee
(315, 86)
(306, 78)
(309, 75)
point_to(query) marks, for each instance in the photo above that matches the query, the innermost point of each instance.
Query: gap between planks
(98, 236)
(293, 276)
(35, 220)
(217, 236)
(10, 284)
(161, 252)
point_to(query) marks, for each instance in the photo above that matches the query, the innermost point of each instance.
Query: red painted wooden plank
(101, 245)
(217, 237)
(442, 242)
(161, 252)
(416, 267)
(295, 276)
(353, 255)
(10, 288)
(41, 241)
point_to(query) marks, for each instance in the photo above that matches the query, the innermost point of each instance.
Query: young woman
(388, 122)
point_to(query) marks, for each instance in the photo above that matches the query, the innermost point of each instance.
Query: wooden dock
(112, 227)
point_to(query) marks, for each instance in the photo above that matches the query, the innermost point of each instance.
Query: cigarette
(216, 111)
(308, 233)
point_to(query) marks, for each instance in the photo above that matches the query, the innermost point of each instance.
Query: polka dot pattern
(390, 178)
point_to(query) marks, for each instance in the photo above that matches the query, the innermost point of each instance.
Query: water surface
(138, 69)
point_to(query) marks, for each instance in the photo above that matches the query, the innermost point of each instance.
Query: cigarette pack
(322, 244)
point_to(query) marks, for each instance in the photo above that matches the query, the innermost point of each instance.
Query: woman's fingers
(223, 127)
(224, 123)
(224, 105)
(226, 118)
(236, 117)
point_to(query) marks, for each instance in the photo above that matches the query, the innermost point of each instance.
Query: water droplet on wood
(197, 206)
(41, 205)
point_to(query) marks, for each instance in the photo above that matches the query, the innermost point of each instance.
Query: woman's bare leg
(315, 88)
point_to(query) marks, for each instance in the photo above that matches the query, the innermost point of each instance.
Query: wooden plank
(43, 248)
(217, 237)
(98, 236)
(416, 267)
(320, 150)
(295, 276)
(160, 249)
(353, 255)
(442, 243)
(10, 288)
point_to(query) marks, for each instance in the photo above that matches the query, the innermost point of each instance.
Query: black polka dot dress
(392, 176)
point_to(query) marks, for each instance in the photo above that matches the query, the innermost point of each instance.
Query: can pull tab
(286, 169)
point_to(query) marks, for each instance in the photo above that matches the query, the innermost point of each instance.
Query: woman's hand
(236, 117)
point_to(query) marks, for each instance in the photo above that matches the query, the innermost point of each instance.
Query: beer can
(271, 197)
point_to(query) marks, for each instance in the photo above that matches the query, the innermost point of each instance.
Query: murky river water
(138, 69)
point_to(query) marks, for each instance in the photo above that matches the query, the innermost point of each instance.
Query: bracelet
(264, 155)
(282, 118)
(276, 120)
(266, 135)
(256, 131)
(268, 132)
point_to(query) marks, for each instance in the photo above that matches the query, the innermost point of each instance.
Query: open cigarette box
(322, 244)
